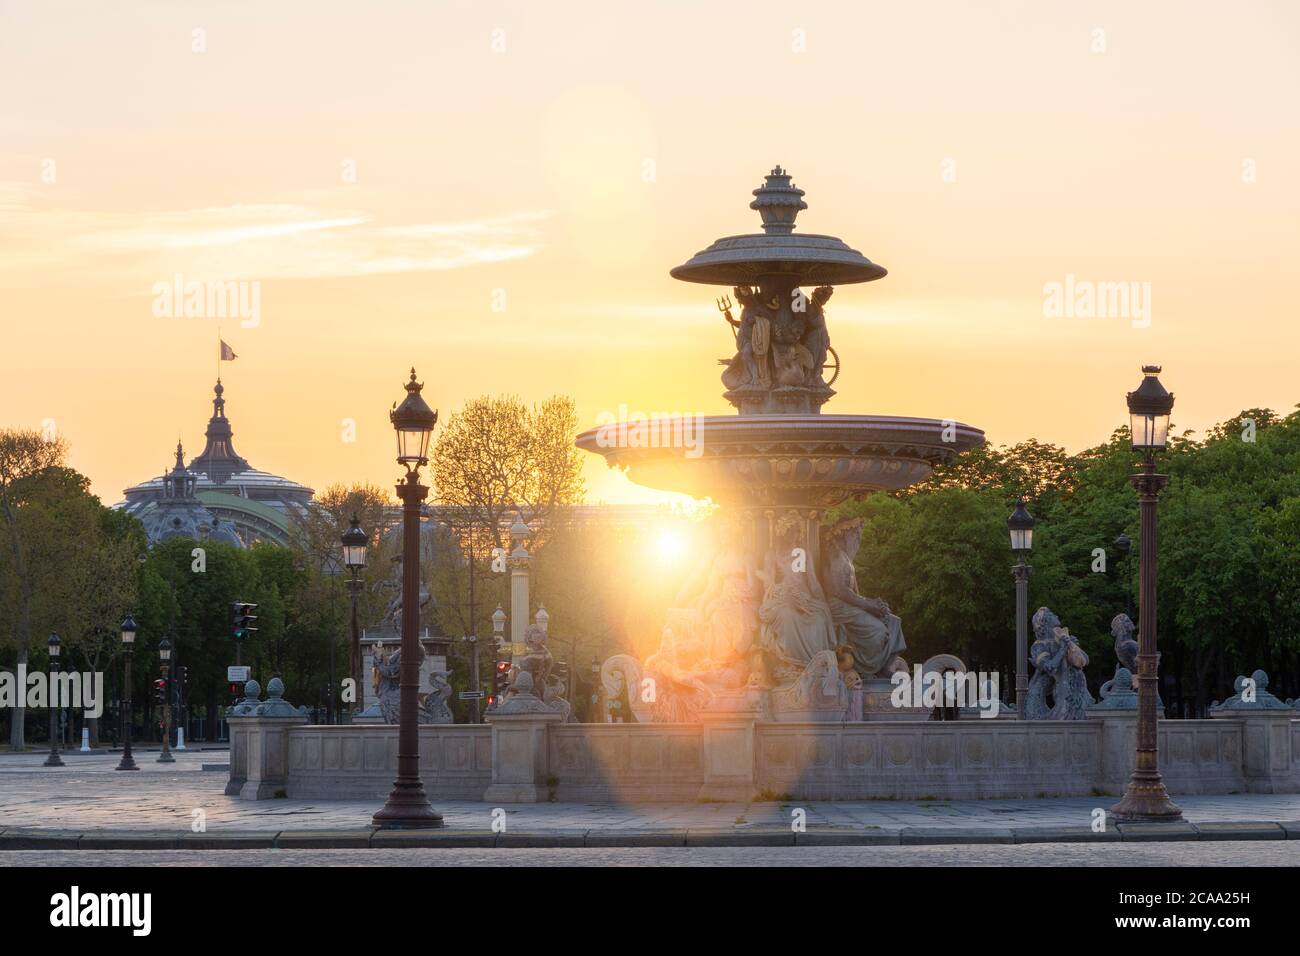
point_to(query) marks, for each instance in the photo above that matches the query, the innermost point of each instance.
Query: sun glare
(670, 546)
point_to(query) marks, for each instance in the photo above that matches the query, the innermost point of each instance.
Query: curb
(33, 838)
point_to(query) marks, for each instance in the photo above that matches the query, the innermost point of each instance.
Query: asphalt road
(1274, 853)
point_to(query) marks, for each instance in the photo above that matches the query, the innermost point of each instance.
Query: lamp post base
(53, 760)
(126, 763)
(407, 808)
(1146, 801)
(166, 757)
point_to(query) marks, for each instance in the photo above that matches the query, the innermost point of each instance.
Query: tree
(582, 574)
(497, 456)
(24, 455)
(317, 602)
(106, 577)
(71, 564)
(1029, 469)
(1276, 534)
(934, 558)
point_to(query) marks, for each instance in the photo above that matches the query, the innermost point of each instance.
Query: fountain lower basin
(780, 460)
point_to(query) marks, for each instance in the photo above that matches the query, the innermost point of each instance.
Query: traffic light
(182, 684)
(501, 676)
(160, 690)
(234, 694)
(242, 617)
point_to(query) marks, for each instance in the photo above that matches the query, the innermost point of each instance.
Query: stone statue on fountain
(710, 643)
(677, 693)
(817, 338)
(1124, 631)
(393, 613)
(795, 619)
(1058, 663)
(749, 366)
(864, 624)
(436, 706)
(739, 628)
(719, 628)
(535, 688)
(781, 343)
(386, 675)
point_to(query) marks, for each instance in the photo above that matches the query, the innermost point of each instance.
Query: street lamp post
(355, 542)
(476, 713)
(54, 760)
(1146, 798)
(165, 656)
(1124, 544)
(499, 647)
(128, 642)
(407, 805)
(472, 640)
(1021, 527)
(596, 717)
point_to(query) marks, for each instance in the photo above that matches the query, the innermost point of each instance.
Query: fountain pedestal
(730, 741)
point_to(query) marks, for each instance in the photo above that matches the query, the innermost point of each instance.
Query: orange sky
(500, 150)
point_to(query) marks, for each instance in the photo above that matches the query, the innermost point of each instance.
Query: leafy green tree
(25, 455)
(70, 566)
(935, 558)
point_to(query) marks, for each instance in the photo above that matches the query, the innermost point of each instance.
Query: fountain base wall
(733, 755)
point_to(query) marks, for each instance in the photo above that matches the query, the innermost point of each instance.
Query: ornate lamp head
(1021, 526)
(1149, 406)
(413, 420)
(355, 542)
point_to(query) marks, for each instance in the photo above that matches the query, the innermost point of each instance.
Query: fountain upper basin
(780, 460)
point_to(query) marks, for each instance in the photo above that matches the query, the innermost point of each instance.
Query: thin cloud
(255, 241)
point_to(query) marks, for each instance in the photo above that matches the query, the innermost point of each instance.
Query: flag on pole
(227, 353)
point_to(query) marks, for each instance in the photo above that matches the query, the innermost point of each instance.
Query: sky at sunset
(495, 192)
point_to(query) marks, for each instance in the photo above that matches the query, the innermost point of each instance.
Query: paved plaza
(89, 796)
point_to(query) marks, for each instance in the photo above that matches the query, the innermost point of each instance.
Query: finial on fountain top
(776, 251)
(778, 201)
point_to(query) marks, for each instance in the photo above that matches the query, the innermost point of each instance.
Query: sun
(670, 546)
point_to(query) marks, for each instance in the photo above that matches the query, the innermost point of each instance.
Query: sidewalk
(88, 804)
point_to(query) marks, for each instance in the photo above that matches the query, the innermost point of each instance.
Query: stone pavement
(89, 804)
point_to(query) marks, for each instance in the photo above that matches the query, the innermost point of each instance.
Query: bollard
(180, 738)
(85, 740)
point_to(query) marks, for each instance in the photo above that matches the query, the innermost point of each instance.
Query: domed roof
(224, 496)
(219, 460)
(178, 513)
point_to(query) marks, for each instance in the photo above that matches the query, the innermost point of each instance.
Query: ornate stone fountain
(758, 624)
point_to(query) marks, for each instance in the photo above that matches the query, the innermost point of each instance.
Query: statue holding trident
(749, 366)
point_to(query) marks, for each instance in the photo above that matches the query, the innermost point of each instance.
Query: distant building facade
(219, 495)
